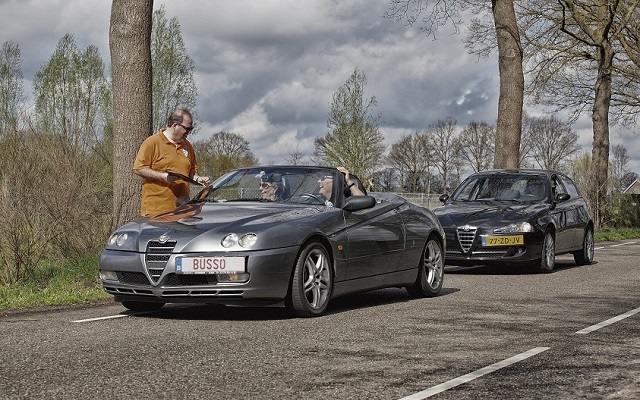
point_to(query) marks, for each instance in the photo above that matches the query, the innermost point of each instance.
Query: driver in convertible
(326, 187)
(271, 187)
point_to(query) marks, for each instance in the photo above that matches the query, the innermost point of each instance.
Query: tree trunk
(509, 126)
(129, 43)
(600, 151)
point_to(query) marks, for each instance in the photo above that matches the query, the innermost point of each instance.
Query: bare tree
(553, 142)
(411, 156)
(129, 43)
(354, 140)
(477, 145)
(386, 179)
(295, 157)
(223, 152)
(619, 169)
(446, 157)
(571, 47)
(432, 14)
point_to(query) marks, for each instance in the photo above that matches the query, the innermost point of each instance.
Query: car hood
(198, 227)
(488, 214)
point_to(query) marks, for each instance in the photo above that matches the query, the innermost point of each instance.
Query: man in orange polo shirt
(167, 150)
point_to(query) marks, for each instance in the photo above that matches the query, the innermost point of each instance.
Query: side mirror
(443, 198)
(355, 203)
(560, 197)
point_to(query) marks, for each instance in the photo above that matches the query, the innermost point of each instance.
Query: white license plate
(210, 265)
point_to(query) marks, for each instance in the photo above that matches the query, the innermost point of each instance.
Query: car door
(566, 214)
(376, 240)
(576, 220)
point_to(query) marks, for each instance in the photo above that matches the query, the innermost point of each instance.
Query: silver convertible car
(275, 236)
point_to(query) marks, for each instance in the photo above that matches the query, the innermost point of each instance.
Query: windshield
(301, 185)
(501, 187)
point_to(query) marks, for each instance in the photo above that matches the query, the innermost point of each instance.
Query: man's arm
(150, 174)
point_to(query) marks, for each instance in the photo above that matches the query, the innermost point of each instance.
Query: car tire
(312, 281)
(430, 271)
(585, 255)
(548, 253)
(142, 305)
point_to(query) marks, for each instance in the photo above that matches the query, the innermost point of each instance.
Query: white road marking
(473, 375)
(622, 244)
(608, 322)
(101, 318)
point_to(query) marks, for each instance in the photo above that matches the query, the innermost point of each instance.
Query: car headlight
(121, 241)
(232, 239)
(248, 240)
(519, 227)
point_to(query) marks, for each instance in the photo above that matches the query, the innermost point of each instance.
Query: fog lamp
(240, 277)
(106, 275)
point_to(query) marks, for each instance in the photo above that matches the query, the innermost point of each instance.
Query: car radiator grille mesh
(157, 256)
(465, 237)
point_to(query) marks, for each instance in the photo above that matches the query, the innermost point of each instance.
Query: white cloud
(267, 69)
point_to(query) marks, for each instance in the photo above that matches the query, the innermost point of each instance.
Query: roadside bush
(55, 206)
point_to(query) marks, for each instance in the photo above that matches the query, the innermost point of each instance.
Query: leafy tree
(411, 156)
(477, 145)
(11, 94)
(223, 152)
(129, 42)
(354, 139)
(69, 92)
(173, 84)
(552, 141)
(433, 14)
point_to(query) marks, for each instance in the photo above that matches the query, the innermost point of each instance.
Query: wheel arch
(316, 237)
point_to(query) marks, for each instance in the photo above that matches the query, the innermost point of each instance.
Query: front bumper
(269, 276)
(474, 253)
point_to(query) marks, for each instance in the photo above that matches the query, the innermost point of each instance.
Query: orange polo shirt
(159, 154)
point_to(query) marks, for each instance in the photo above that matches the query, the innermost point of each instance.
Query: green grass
(56, 285)
(608, 235)
(78, 282)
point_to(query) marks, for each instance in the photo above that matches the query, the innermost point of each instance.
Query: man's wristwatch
(351, 184)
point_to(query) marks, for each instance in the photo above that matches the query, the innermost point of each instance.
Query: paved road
(492, 334)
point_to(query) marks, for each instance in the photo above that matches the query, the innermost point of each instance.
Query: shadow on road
(338, 305)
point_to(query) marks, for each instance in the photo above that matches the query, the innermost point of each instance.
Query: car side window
(570, 186)
(557, 187)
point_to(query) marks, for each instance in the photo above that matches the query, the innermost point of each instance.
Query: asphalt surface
(492, 334)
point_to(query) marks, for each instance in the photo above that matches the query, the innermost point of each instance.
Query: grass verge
(56, 285)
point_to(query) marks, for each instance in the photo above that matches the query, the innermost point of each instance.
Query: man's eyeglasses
(189, 129)
(265, 185)
(325, 178)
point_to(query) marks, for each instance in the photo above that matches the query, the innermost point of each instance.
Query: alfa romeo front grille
(156, 257)
(465, 237)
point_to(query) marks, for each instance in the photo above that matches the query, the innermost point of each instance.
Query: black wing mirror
(443, 198)
(560, 197)
(355, 203)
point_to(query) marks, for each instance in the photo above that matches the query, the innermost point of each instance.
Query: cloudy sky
(267, 69)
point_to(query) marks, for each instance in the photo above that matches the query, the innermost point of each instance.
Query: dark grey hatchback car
(516, 217)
